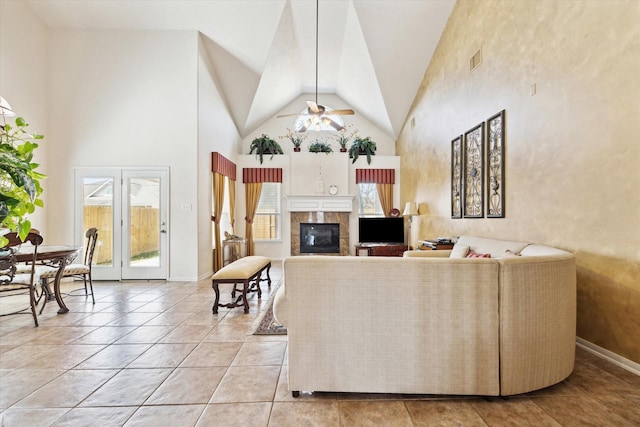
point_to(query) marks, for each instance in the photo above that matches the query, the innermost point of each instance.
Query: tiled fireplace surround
(298, 218)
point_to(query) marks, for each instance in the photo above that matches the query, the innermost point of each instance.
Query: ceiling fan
(319, 114)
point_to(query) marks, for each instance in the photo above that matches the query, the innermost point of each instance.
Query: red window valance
(222, 165)
(261, 175)
(376, 176)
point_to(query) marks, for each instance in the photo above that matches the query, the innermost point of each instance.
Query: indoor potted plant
(19, 182)
(320, 147)
(362, 146)
(264, 145)
(295, 138)
(343, 139)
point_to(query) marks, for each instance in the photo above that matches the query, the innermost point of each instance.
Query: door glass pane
(144, 222)
(98, 212)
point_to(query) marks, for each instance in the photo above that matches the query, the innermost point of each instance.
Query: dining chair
(81, 271)
(13, 281)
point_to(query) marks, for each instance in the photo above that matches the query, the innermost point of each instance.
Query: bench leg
(217, 291)
(245, 288)
(268, 276)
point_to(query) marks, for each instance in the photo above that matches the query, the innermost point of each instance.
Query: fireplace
(314, 217)
(321, 238)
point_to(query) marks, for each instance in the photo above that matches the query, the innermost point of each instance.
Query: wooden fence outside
(144, 231)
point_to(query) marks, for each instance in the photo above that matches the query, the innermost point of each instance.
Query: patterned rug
(267, 323)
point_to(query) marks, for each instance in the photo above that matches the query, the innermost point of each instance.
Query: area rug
(266, 324)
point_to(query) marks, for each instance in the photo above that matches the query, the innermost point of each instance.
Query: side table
(381, 249)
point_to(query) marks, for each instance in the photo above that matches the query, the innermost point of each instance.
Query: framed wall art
(456, 177)
(473, 175)
(495, 166)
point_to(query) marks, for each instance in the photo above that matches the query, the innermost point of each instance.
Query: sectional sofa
(428, 323)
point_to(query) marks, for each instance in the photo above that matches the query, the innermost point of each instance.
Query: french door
(130, 209)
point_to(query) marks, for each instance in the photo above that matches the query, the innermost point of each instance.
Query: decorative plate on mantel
(333, 190)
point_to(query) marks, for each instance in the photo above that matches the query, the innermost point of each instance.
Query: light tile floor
(152, 353)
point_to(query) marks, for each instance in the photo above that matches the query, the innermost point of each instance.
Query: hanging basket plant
(265, 145)
(362, 146)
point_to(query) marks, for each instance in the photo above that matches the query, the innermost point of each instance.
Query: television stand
(381, 249)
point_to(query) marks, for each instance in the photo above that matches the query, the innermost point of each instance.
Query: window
(266, 223)
(369, 200)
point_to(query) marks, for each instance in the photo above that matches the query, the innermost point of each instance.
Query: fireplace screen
(320, 238)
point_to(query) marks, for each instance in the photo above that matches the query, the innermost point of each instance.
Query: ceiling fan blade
(335, 125)
(313, 107)
(340, 112)
(287, 115)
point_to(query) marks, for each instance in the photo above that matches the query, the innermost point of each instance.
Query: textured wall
(572, 148)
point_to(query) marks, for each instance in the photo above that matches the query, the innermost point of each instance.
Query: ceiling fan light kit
(320, 116)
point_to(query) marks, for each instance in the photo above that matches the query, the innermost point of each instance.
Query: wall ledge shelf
(319, 203)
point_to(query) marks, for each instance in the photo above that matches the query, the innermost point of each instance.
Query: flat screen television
(381, 230)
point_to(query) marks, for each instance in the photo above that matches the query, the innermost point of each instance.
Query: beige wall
(572, 149)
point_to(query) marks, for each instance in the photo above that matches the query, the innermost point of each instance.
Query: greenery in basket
(320, 147)
(362, 146)
(264, 145)
(296, 138)
(19, 182)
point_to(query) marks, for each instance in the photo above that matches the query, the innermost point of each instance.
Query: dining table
(56, 256)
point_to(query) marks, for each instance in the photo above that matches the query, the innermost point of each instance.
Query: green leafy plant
(320, 147)
(362, 146)
(265, 145)
(19, 182)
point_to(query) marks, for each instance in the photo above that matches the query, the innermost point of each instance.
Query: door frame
(116, 173)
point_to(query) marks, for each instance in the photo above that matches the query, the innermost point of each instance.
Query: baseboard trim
(612, 357)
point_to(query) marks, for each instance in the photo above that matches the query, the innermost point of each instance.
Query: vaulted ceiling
(372, 54)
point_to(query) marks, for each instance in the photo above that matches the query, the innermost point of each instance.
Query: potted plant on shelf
(343, 139)
(320, 147)
(295, 138)
(362, 146)
(19, 182)
(264, 145)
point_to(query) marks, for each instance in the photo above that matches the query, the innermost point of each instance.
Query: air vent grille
(475, 60)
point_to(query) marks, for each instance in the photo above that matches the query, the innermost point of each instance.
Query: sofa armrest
(427, 254)
(280, 306)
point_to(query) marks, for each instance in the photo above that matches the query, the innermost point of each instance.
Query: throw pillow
(474, 254)
(459, 251)
(510, 254)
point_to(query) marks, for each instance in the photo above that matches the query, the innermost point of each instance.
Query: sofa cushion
(459, 251)
(493, 246)
(510, 254)
(474, 254)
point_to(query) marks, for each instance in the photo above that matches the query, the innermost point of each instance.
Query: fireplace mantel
(319, 203)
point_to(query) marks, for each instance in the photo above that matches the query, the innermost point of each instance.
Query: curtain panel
(253, 179)
(221, 167)
(375, 176)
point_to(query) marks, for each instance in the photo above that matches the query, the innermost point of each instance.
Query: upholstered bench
(248, 272)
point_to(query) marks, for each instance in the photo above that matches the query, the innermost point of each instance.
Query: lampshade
(410, 209)
(5, 108)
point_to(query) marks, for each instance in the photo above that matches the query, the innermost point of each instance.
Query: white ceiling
(372, 53)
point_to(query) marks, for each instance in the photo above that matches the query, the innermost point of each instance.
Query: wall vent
(475, 60)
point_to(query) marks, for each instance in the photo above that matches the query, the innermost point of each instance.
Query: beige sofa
(429, 324)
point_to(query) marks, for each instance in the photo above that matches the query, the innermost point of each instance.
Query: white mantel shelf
(319, 203)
